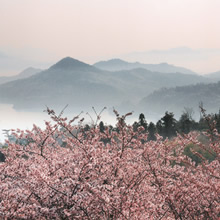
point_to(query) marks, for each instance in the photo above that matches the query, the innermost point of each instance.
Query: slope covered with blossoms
(69, 172)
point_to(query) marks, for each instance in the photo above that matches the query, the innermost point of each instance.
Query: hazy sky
(43, 31)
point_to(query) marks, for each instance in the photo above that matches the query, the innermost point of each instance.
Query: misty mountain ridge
(180, 97)
(118, 64)
(69, 63)
(24, 74)
(215, 75)
(81, 85)
(68, 81)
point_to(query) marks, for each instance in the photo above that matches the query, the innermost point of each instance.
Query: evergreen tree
(159, 128)
(217, 120)
(142, 122)
(169, 125)
(135, 126)
(101, 127)
(151, 132)
(186, 123)
(2, 157)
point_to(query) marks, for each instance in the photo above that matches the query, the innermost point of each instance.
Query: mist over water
(12, 119)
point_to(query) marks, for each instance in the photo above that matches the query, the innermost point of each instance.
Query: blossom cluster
(67, 172)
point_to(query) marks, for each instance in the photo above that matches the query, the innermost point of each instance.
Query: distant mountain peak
(118, 64)
(115, 61)
(70, 63)
(165, 64)
(29, 72)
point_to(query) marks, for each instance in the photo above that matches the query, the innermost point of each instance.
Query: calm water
(10, 118)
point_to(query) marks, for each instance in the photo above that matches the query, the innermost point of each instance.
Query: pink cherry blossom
(65, 172)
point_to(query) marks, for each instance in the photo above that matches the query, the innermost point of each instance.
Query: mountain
(69, 63)
(215, 75)
(178, 98)
(183, 56)
(81, 85)
(67, 82)
(118, 64)
(137, 83)
(24, 74)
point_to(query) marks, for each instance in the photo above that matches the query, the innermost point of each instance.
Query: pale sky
(44, 31)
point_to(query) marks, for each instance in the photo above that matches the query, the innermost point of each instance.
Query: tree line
(168, 126)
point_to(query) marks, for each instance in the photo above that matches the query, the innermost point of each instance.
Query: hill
(214, 76)
(24, 74)
(138, 83)
(81, 85)
(118, 64)
(176, 99)
(68, 81)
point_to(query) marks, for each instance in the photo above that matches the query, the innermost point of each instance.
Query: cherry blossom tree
(67, 172)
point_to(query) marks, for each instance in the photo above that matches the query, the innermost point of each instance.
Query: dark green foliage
(203, 154)
(135, 126)
(159, 127)
(168, 125)
(151, 132)
(203, 126)
(142, 121)
(186, 123)
(101, 127)
(2, 157)
(217, 119)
